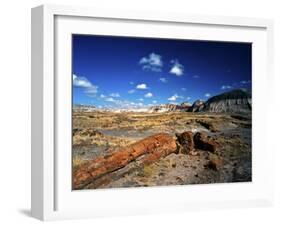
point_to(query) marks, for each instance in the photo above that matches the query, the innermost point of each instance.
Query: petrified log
(185, 141)
(144, 151)
(201, 141)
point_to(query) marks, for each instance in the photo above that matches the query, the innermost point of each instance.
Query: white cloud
(141, 86)
(226, 87)
(155, 101)
(245, 82)
(177, 68)
(175, 97)
(110, 99)
(164, 80)
(207, 94)
(188, 98)
(131, 91)
(141, 99)
(183, 89)
(172, 98)
(131, 83)
(102, 96)
(91, 91)
(124, 104)
(152, 62)
(83, 82)
(114, 95)
(148, 95)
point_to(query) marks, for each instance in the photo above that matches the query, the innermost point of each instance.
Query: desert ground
(129, 149)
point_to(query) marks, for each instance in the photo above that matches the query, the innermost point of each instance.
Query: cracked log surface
(145, 151)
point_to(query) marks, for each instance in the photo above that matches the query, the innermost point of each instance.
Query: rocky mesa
(234, 101)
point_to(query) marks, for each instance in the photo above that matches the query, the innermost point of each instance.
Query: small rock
(201, 141)
(194, 153)
(215, 163)
(179, 179)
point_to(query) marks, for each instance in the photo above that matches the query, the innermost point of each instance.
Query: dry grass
(77, 161)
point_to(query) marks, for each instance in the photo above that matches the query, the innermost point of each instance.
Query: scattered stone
(215, 163)
(179, 179)
(194, 153)
(201, 141)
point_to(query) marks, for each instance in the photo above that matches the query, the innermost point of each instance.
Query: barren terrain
(151, 149)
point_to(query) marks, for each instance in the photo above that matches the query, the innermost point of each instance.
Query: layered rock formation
(170, 107)
(197, 106)
(186, 105)
(235, 101)
(83, 108)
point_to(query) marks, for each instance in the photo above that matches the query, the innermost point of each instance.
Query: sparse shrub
(148, 170)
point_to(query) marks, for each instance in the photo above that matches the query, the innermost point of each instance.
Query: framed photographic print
(137, 112)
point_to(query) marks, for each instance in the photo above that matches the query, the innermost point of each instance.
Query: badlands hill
(235, 101)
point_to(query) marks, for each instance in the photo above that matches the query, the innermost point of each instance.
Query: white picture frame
(52, 198)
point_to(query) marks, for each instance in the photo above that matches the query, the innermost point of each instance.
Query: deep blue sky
(125, 72)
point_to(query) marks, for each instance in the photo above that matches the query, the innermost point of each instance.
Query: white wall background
(15, 111)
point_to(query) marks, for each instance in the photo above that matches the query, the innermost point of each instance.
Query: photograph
(160, 112)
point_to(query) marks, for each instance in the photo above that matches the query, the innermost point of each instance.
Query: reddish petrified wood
(144, 151)
(185, 141)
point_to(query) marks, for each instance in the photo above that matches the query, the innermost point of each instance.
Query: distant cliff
(236, 101)
(197, 106)
(170, 107)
